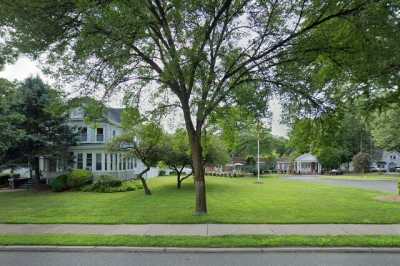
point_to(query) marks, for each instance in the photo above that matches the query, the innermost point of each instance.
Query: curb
(197, 250)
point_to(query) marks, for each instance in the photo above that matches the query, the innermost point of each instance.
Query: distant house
(386, 161)
(307, 164)
(283, 165)
(91, 151)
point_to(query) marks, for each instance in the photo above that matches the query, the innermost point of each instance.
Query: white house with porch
(307, 164)
(91, 152)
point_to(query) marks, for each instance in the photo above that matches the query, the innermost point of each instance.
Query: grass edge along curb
(200, 241)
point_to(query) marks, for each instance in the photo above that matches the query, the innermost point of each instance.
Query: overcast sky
(24, 67)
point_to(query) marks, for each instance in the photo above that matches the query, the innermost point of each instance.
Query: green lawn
(201, 241)
(230, 200)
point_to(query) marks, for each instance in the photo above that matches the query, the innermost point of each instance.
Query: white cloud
(22, 69)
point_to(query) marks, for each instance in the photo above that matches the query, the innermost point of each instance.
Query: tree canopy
(39, 115)
(143, 139)
(335, 138)
(386, 128)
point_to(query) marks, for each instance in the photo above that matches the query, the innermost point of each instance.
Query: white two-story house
(91, 152)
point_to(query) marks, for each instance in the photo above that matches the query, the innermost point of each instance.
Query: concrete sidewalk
(203, 229)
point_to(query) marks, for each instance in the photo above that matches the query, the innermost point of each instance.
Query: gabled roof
(114, 114)
(307, 157)
(109, 115)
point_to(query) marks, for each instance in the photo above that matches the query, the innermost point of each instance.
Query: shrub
(77, 178)
(59, 183)
(4, 179)
(108, 180)
(361, 162)
(162, 173)
(124, 186)
(106, 183)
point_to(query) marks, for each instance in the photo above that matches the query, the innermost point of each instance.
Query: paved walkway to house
(203, 229)
(378, 185)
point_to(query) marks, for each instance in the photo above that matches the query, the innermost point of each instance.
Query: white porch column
(117, 155)
(84, 155)
(41, 164)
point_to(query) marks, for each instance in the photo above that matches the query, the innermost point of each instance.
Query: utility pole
(258, 153)
(258, 157)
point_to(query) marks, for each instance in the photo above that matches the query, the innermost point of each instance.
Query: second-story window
(99, 134)
(83, 134)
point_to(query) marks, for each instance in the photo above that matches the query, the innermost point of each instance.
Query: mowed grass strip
(199, 241)
(230, 200)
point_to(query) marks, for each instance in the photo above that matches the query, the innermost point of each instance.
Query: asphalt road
(379, 185)
(179, 259)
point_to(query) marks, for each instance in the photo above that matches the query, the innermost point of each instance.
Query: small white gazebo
(307, 164)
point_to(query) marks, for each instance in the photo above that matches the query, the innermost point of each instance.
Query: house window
(113, 133)
(111, 161)
(99, 134)
(98, 161)
(89, 161)
(124, 163)
(105, 161)
(135, 162)
(120, 162)
(80, 161)
(83, 134)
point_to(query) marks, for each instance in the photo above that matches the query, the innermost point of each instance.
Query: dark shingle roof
(114, 114)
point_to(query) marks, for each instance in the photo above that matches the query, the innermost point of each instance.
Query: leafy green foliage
(385, 128)
(39, 117)
(72, 180)
(59, 183)
(11, 120)
(215, 151)
(79, 177)
(335, 138)
(110, 184)
(143, 139)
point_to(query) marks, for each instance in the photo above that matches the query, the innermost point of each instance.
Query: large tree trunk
(144, 183)
(198, 169)
(178, 180)
(194, 134)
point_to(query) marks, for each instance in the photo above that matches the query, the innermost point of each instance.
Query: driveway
(379, 185)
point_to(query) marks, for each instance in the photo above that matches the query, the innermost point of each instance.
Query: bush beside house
(72, 180)
(83, 180)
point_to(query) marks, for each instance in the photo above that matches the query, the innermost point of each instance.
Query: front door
(313, 168)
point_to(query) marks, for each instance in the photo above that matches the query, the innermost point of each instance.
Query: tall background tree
(11, 121)
(205, 54)
(44, 125)
(335, 137)
(385, 127)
